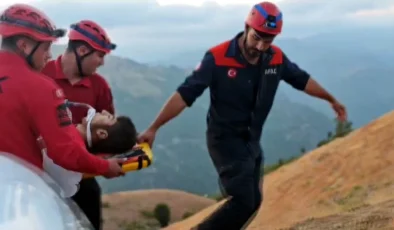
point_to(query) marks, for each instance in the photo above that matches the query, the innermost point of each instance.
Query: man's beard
(252, 53)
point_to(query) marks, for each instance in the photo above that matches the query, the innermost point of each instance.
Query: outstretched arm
(186, 94)
(301, 80)
(193, 86)
(172, 108)
(314, 89)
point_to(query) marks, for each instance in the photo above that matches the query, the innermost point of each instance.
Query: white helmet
(30, 199)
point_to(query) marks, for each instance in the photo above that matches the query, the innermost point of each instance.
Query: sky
(160, 2)
(201, 2)
(144, 28)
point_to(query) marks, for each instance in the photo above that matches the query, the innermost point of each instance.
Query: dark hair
(261, 34)
(122, 136)
(265, 35)
(75, 44)
(10, 42)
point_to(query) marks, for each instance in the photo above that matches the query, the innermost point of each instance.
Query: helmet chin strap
(89, 118)
(79, 60)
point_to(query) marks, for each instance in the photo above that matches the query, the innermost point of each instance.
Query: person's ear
(102, 134)
(82, 50)
(24, 45)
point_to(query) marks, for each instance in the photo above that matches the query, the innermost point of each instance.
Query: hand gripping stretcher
(138, 158)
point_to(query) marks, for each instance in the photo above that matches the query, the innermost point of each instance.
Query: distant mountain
(359, 73)
(186, 59)
(181, 158)
(356, 66)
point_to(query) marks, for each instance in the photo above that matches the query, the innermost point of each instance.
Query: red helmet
(265, 17)
(93, 34)
(22, 19)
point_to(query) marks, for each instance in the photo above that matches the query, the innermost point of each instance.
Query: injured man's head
(108, 134)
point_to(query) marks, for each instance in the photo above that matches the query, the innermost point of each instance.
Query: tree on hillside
(303, 150)
(280, 162)
(162, 214)
(341, 129)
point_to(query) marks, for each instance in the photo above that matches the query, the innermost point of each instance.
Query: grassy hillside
(181, 156)
(344, 175)
(127, 209)
(378, 216)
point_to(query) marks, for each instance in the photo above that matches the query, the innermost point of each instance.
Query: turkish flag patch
(58, 93)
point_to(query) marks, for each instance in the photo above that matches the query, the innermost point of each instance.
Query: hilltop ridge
(121, 209)
(349, 173)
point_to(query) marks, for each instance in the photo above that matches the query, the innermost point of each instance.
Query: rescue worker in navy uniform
(243, 75)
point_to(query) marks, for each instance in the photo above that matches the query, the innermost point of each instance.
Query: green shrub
(162, 214)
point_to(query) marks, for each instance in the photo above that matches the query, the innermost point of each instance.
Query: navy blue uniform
(241, 97)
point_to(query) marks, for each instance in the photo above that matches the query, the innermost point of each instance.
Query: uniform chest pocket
(236, 81)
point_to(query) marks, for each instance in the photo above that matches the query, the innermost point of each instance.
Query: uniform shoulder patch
(64, 115)
(221, 49)
(219, 55)
(276, 49)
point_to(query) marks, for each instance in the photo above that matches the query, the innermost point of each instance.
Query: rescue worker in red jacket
(75, 72)
(32, 105)
(243, 75)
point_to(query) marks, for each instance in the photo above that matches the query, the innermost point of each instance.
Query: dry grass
(368, 217)
(348, 173)
(131, 206)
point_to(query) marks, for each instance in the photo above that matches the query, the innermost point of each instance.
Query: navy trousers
(238, 164)
(88, 198)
